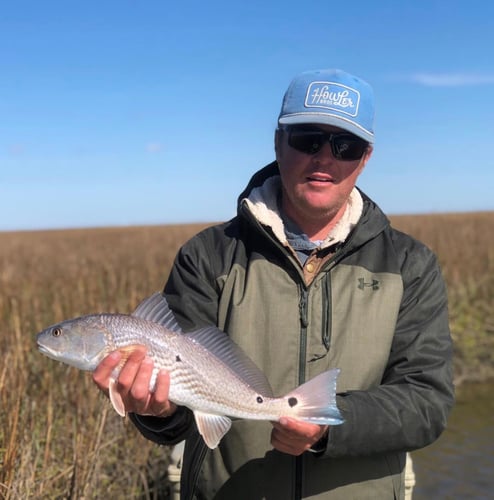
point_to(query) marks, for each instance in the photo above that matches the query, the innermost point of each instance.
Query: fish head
(80, 342)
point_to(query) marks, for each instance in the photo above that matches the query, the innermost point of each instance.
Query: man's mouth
(319, 178)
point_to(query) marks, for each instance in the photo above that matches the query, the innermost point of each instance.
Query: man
(310, 276)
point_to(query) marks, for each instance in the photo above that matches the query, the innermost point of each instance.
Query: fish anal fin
(116, 398)
(212, 427)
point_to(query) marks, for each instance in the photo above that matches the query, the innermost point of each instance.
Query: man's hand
(133, 383)
(294, 436)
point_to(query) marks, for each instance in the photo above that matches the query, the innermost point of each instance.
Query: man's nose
(325, 154)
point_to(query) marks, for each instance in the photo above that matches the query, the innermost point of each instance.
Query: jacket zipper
(327, 327)
(304, 322)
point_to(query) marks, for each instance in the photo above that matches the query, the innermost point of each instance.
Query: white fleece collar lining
(263, 204)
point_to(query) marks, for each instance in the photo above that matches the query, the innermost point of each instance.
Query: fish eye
(56, 332)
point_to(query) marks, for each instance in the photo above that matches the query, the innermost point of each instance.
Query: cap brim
(328, 119)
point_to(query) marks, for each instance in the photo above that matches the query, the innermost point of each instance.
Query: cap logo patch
(334, 96)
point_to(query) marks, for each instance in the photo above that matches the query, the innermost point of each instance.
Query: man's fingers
(133, 383)
(294, 436)
(298, 428)
(129, 371)
(293, 429)
(140, 385)
(105, 369)
(161, 405)
(162, 387)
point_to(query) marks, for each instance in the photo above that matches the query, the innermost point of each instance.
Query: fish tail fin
(315, 401)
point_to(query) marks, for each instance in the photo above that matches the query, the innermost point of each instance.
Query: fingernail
(283, 421)
(148, 361)
(114, 356)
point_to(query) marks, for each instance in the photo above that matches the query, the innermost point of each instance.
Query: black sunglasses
(344, 146)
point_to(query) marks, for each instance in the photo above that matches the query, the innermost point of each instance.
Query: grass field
(59, 438)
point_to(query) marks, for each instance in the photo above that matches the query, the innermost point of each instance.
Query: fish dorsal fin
(220, 345)
(212, 427)
(155, 308)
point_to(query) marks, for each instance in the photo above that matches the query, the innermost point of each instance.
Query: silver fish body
(209, 373)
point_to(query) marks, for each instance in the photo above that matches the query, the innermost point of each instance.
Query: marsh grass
(59, 438)
(464, 244)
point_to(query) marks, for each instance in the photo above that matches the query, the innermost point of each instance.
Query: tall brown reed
(57, 437)
(464, 243)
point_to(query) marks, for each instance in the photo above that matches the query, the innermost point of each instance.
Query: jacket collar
(267, 213)
(262, 200)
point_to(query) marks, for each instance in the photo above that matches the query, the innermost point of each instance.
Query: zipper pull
(303, 307)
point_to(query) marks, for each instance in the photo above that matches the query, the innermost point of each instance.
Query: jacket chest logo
(362, 284)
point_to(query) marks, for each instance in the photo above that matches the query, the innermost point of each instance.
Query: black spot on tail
(292, 402)
(177, 358)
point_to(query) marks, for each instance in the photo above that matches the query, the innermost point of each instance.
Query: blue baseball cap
(330, 97)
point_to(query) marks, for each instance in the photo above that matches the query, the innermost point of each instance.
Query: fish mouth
(47, 351)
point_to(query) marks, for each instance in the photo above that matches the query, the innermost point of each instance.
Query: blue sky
(154, 112)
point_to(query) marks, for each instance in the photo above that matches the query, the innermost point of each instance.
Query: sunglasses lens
(306, 141)
(346, 147)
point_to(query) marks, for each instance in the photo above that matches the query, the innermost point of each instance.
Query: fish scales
(209, 374)
(195, 372)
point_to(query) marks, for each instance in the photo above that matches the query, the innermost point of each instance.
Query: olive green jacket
(375, 307)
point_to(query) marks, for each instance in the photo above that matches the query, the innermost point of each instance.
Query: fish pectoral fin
(127, 350)
(116, 398)
(212, 427)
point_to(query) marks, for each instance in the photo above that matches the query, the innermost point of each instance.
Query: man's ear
(365, 158)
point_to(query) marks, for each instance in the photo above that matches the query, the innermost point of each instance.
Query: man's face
(315, 186)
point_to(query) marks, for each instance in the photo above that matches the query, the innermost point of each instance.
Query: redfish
(209, 373)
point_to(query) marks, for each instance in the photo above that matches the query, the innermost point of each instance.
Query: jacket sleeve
(410, 408)
(169, 431)
(192, 296)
